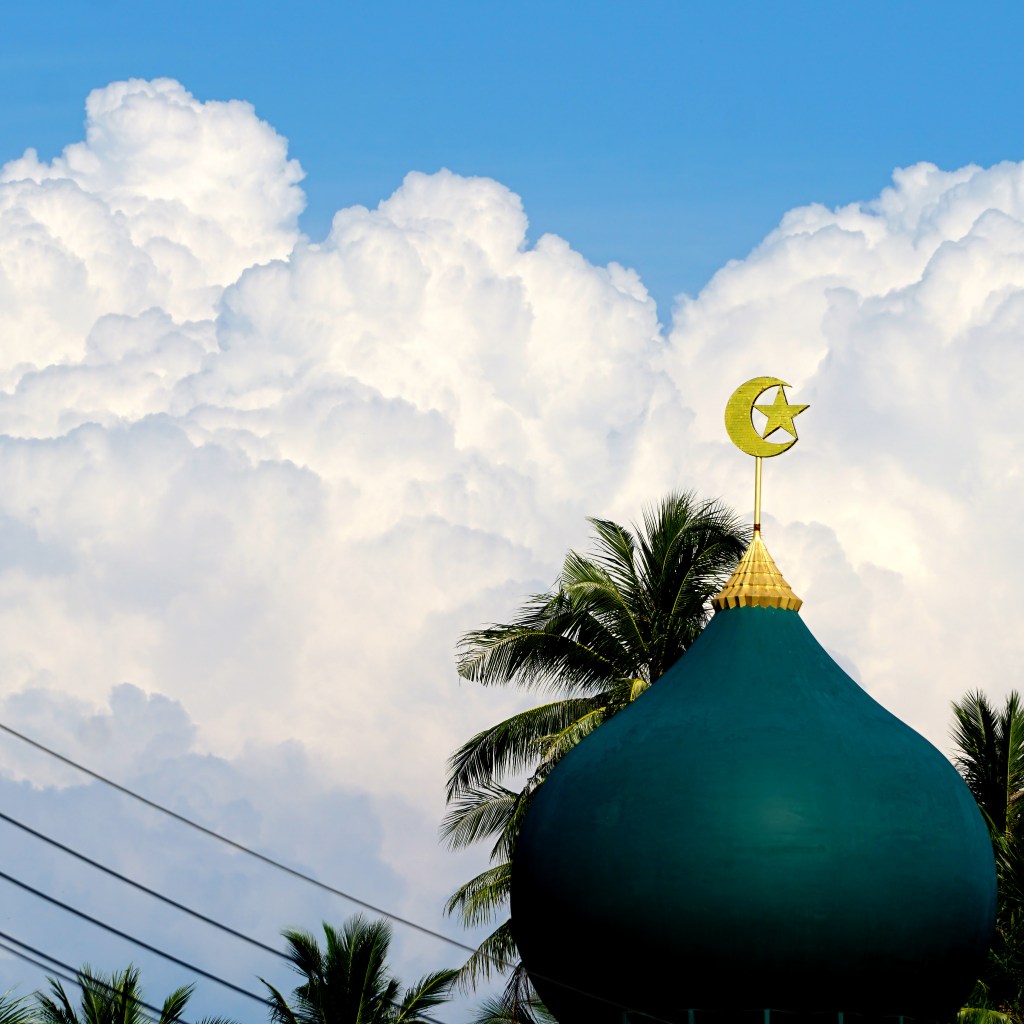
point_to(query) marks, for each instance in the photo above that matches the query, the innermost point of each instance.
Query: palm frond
(495, 955)
(175, 1004)
(506, 841)
(990, 755)
(15, 1009)
(1009, 853)
(688, 549)
(980, 1008)
(554, 747)
(549, 646)
(983, 1015)
(498, 1010)
(613, 625)
(56, 1008)
(365, 944)
(430, 991)
(303, 952)
(479, 899)
(493, 1010)
(630, 690)
(557, 745)
(521, 1000)
(478, 812)
(511, 745)
(1012, 726)
(280, 1011)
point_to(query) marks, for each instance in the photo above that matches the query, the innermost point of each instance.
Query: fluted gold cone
(756, 583)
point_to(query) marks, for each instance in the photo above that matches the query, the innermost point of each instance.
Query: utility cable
(68, 973)
(63, 976)
(294, 872)
(197, 914)
(150, 892)
(202, 972)
(145, 888)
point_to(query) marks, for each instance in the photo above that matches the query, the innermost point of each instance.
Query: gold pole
(757, 494)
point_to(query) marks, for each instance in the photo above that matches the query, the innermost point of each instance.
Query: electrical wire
(75, 981)
(142, 944)
(144, 888)
(150, 892)
(62, 975)
(422, 929)
(294, 872)
(67, 972)
(272, 862)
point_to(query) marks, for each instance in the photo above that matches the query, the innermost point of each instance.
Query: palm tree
(614, 622)
(498, 1010)
(15, 1010)
(348, 981)
(116, 999)
(990, 757)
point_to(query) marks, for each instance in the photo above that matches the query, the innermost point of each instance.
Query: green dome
(754, 833)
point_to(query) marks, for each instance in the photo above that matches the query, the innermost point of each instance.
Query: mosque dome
(755, 833)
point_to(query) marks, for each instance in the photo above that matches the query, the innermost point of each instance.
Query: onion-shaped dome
(754, 833)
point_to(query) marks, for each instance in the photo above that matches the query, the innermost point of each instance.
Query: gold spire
(756, 583)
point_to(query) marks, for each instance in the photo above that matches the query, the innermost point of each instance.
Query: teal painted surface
(755, 831)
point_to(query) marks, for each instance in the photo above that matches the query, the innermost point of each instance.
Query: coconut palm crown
(347, 981)
(989, 754)
(616, 619)
(113, 999)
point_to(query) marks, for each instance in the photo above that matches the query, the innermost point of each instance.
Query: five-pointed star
(780, 414)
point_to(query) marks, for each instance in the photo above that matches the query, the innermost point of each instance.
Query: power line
(151, 892)
(39, 963)
(68, 973)
(144, 888)
(202, 972)
(294, 872)
(75, 981)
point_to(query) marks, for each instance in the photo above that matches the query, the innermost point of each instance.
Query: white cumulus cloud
(165, 202)
(268, 481)
(900, 320)
(274, 479)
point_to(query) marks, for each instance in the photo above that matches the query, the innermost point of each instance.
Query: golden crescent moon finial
(739, 418)
(757, 581)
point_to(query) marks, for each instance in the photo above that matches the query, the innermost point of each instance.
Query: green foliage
(16, 1010)
(990, 757)
(116, 999)
(503, 1011)
(982, 1015)
(347, 981)
(614, 622)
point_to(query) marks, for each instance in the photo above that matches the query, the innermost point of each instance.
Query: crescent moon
(739, 421)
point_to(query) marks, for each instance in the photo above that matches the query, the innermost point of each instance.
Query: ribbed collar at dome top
(756, 583)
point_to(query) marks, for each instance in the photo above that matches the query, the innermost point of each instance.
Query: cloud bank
(900, 319)
(268, 480)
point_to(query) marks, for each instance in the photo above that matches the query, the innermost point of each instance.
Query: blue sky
(220, 445)
(667, 136)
